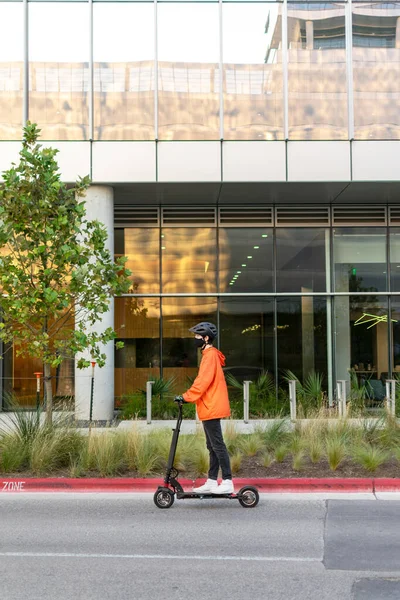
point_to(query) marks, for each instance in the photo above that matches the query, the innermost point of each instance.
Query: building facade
(244, 157)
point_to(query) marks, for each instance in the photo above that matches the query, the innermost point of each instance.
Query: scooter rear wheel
(164, 498)
(249, 497)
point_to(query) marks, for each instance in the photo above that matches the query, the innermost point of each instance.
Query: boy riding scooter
(210, 394)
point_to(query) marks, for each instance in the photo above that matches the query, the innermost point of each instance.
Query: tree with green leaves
(57, 276)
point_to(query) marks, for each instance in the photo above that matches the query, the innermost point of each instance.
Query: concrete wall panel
(118, 162)
(189, 161)
(254, 161)
(319, 161)
(376, 161)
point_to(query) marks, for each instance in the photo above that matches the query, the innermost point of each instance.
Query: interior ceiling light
(373, 319)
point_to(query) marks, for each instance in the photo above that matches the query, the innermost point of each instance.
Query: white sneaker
(210, 486)
(226, 487)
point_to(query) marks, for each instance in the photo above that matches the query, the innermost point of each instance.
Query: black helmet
(205, 328)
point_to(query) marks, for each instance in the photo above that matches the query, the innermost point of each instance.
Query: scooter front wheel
(164, 498)
(248, 497)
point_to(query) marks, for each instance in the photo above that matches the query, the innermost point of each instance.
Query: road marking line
(160, 556)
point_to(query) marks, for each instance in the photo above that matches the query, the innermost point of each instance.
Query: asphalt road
(120, 546)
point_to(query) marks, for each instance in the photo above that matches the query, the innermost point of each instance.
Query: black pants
(219, 456)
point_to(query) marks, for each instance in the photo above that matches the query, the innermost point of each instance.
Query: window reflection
(58, 90)
(253, 87)
(361, 338)
(302, 336)
(317, 71)
(188, 71)
(376, 70)
(137, 323)
(395, 323)
(247, 336)
(123, 51)
(141, 246)
(360, 259)
(245, 260)
(300, 257)
(395, 259)
(181, 358)
(189, 260)
(11, 71)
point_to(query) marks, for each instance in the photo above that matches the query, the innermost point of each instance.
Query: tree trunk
(49, 394)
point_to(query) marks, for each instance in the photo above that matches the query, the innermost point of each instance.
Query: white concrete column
(99, 206)
(309, 35)
(398, 32)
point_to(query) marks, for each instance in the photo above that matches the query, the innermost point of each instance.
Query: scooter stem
(174, 444)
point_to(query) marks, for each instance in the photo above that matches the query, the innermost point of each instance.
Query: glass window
(253, 86)
(301, 260)
(123, 53)
(245, 260)
(11, 71)
(137, 323)
(395, 322)
(360, 259)
(247, 336)
(141, 246)
(58, 88)
(395, 259)
(302, 337)
(376, 70)
(181, 358)
(317, 71)
(189, 260)
(188, 71)
(361, 342)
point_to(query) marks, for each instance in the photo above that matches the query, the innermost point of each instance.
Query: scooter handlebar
(180, 400)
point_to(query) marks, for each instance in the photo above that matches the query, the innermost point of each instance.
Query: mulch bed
(253, 467)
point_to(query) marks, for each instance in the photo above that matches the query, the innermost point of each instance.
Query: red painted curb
(386, 485)
(120, 484)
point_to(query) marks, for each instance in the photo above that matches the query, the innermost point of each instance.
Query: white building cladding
(272, 119)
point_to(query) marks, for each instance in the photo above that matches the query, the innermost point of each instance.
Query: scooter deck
(185, 495)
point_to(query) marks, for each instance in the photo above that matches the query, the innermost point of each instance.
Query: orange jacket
(209, 390)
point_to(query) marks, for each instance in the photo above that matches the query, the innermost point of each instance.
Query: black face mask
(199, 343)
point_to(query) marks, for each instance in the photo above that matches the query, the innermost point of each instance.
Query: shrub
(298, 460)
(315, 449)
(370, 457)
(250, 444)
(236, 462)
(13, 453)
(281, 453)
(276, 434)
(143, 453)
(231, 437)
(310, 394)
(336, 451)
(267, 459)
(107, 453)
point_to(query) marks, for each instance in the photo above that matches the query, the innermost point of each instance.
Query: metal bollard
(342, 397)
(149, 386)
(292, 398)
(391, 396)
(246, 400)
(93, 363)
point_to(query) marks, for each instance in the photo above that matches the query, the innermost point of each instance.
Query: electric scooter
(165, 495)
